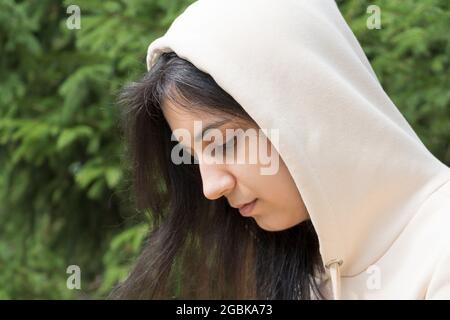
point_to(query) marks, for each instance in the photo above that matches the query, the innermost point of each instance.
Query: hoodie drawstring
(334, 267)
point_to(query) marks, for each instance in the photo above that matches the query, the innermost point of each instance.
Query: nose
(217, 180)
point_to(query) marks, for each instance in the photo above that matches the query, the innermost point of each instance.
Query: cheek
(293, 196)
(283, 206)
(277, 191)
(282, 191)
(249, 176)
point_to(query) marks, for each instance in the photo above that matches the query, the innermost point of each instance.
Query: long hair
(197, 248)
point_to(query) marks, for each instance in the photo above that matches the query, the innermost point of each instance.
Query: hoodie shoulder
(439, 285)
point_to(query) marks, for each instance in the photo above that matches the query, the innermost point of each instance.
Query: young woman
(357, 206)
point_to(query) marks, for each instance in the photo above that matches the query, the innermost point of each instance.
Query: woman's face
(275, 202)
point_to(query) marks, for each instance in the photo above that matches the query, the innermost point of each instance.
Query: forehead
(182, 117)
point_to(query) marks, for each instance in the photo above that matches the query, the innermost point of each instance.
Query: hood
(296, 66)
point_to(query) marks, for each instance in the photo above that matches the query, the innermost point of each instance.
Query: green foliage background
(64, 188)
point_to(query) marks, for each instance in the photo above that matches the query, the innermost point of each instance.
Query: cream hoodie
(378, 199)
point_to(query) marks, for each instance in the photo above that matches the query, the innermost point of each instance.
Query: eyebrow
(216, 124)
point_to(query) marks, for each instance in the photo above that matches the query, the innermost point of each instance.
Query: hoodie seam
(406, 226)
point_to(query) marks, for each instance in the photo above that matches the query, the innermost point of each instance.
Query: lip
(247, 208)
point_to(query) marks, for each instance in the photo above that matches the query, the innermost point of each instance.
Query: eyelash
(226, 146)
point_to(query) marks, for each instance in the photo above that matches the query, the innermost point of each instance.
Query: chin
(274, 224)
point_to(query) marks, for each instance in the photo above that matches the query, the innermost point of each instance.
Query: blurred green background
(65, 195)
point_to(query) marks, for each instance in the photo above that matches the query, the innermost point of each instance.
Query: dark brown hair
(198, 248)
